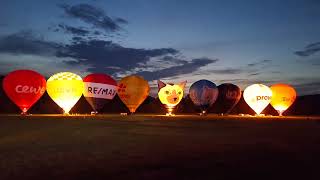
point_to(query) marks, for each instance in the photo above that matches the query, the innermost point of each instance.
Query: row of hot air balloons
(259, 96)
(25, 87)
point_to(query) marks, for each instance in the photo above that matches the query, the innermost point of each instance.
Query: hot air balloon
(24, 88)
(203, 94)
(229, 96)
(283, 96)
(65, 89)
(170, 95)
(257, 96)
(98, 90)
(133, 90)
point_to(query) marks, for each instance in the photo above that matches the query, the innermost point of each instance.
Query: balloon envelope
(203, 94)
(65, 89)
(24, 88)
(229, 96)
(133, 90)
(257, 96)
(99, 89)
(170, 94)
(283, 96)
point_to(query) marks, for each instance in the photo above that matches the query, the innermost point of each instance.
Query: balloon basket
(123, 114)
(203, 113)
(66, 114)
(24, 112)
(280, 112)
(170, 114)
(94, 113)
(170, 111)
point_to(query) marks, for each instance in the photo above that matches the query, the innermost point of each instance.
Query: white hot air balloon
(257, 96)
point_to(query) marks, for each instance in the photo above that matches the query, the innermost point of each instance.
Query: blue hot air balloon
(203, 94)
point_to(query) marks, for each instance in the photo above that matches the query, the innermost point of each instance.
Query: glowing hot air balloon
(170, 94)
(283, 96)
(24, 88)
(229, 96)
(203, 94)
(257, 96)
(133, 90)
(98, 90)
(65, 89)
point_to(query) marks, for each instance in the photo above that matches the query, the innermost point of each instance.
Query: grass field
(158, 147)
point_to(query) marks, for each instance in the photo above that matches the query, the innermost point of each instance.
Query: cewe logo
(261, 98)
(29, 89)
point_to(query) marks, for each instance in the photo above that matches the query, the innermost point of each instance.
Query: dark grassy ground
(156, 147)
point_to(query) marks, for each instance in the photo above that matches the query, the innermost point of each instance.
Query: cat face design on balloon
(170, 94)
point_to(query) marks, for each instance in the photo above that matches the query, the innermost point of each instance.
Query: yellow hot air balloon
(257, 96)
(283, 96)
(65, 89)
(133, 90)
(170, 94)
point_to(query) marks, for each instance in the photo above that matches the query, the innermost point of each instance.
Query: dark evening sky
(241, 42)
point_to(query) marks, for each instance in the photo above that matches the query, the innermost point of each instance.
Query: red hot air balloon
(24, 88)
(229, 96)
(98, 90)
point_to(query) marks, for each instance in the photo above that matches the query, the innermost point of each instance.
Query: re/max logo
(102, 91)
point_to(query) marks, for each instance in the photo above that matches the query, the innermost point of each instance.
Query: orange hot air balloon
(133, 90)
(283, 96)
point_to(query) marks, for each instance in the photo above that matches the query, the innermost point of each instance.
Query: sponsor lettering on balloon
(287, 99)
(102, 91)
(26, 89)
(263, 98)
(232, 95)
(64, 90)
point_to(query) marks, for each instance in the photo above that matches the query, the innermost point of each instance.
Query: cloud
(260, 63)
(160, 62)
(309, 50)
(77, 31)
(253, 70)
(186, 68)
(227, 71)
(254, 74)
(307, 88)
(101, 54)
(316, 64)
(121, 20)
(25, 50)
(94, 16)
(46, 65)
(25, 42)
